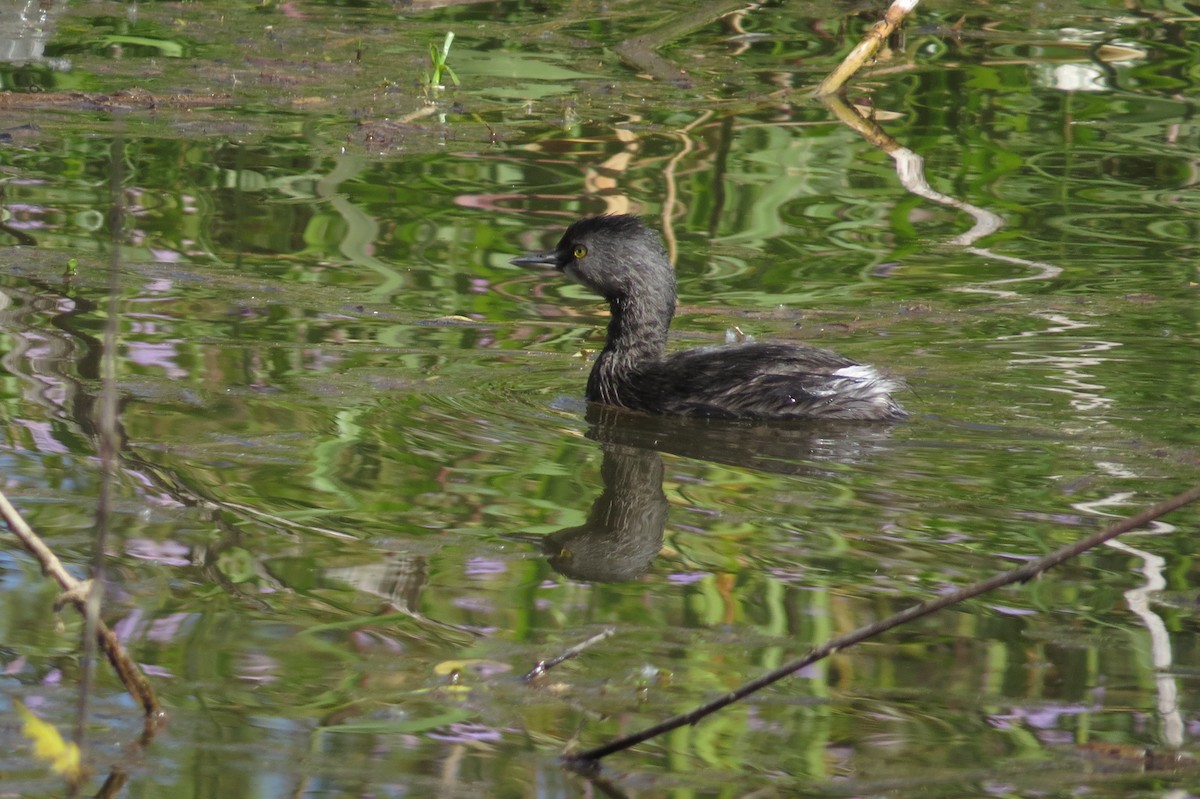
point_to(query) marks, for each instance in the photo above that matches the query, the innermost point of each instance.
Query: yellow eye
(580, 251)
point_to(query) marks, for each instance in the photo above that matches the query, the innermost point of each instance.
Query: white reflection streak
(1085, 396)
(911, 173)
(1069, 365)
(910, 169)
(1061, 324)
(1045, 271)
(1139, 602)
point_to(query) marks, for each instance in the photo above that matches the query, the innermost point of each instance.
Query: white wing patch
(859, 371)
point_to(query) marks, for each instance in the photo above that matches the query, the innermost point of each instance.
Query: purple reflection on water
(155, 671)
(164, 256)
(686, 578)
(321, 360)
(365, 640)
(125, 628)
(1056, 737)
(489, 668)
(257, 668)
(168, 627)
(43, 436)
(171, 553)
(482, 567)
(1042, 718)
(162, 356)
(812, 671)
(473, 603)
(160, 285)
(788, 575)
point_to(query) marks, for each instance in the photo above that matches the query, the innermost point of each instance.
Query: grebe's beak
(539, 259)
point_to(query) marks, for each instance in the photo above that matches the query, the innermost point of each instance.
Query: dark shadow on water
(794, 448)
(624, 529)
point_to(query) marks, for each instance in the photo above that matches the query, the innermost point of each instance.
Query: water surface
(360, 494)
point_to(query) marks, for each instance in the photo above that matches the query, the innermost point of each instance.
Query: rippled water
(360, 494)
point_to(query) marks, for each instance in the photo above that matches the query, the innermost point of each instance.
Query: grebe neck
(637, 330)
(637, 336)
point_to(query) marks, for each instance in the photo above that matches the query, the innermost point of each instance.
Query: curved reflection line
(1085, 395)
(1045, 271)
(1138, 600)
(1062, 324)
(910, 170)
(671, 200)
(1069, 365)
(1160, 640)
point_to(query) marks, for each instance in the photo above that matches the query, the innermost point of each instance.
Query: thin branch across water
(587, 760)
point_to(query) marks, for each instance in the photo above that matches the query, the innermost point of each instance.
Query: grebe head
(615, 256)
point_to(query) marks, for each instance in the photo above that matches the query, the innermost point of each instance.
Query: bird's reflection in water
(624, 530)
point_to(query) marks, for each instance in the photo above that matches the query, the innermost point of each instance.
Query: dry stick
(868, 47)
(75, 592)
(587, 759)
(543, 666)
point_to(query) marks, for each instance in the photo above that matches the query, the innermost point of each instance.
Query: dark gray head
(615, 256)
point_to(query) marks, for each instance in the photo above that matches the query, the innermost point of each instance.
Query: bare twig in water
(867, 48)
(75, 592)
(587, 760)
(543, 666)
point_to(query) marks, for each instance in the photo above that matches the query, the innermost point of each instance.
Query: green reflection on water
(353, 430)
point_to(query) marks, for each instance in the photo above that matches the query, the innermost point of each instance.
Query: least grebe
(624, 262)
